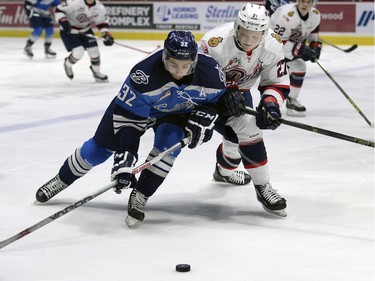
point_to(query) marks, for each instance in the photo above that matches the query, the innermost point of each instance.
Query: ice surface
(220, 230)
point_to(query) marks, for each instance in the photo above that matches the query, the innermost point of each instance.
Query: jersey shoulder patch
(214, 41)
(277, 37)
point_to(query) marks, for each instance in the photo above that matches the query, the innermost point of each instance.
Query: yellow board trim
(339, 39)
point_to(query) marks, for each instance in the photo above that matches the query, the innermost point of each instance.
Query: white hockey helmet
(252, 17)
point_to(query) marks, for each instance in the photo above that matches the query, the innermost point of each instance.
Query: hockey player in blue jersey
(272, 5)
(40, 18)
(176, 91)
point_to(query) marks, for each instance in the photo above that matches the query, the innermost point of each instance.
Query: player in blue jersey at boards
(40, 13)
(272, 5)
(176, 92)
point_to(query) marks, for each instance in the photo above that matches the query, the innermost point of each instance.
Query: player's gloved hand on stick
(300, 50)
(269, 114)
(317, 47)
(65, 25)
(122, 171)
(200, 125)
(230, 102)
(108, 39)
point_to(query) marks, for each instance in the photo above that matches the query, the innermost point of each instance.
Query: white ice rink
(220, 230)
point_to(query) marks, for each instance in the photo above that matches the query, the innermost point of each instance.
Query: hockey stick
(83, 201)
(316, 129)
(352, 48)
(345, 94)
(123, 45)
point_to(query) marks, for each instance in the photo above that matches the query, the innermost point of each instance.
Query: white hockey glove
(122, 171)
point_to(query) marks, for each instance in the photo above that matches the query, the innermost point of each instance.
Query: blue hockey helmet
(181, 45)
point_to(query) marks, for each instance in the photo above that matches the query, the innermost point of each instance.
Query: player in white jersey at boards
(298, 26)
(248, 50)
(75, 18)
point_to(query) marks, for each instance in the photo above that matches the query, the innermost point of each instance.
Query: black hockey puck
(183, 267)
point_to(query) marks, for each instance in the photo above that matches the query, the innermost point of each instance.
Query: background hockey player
(272, 5)
(75, 18)
(172, 91)
(298, 26)
(247, 50)
(40, 13)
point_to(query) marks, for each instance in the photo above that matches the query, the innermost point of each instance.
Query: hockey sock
(225, 161)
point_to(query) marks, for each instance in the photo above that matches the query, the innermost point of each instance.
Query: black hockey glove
(65, 25)
(28, 8)
(108, 39)
(268, 113)
(201, 125)
(317, 47)
(122, 171)
(300, 50)
(230, 102)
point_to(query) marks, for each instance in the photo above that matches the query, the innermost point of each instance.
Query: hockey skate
(99, 77)
(136, 205)
(49, 53)
(272, 202)
(50, 189)
(294, 108)
(237, 177)
(68, 69)
(28, 52)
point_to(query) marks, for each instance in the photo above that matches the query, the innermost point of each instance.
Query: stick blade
(352, 48)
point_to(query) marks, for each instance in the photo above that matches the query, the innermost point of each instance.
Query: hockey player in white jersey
(248, 50)
(75, 18)
(298, 25)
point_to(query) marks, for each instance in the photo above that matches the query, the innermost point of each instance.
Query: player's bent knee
(78, 52)
(93, 153)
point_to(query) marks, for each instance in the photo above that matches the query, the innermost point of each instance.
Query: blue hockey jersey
(150, 91)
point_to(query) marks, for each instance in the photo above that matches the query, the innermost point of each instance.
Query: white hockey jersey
(81, 16)
(288, 24)
(266, 62)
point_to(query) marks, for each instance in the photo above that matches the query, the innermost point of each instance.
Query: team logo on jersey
(291, 14)
(296, 35)
(277, 37)
(232, 64)
(315, 11)
(82, 18)
(240, 75)
(214, 41)
(139, 77)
